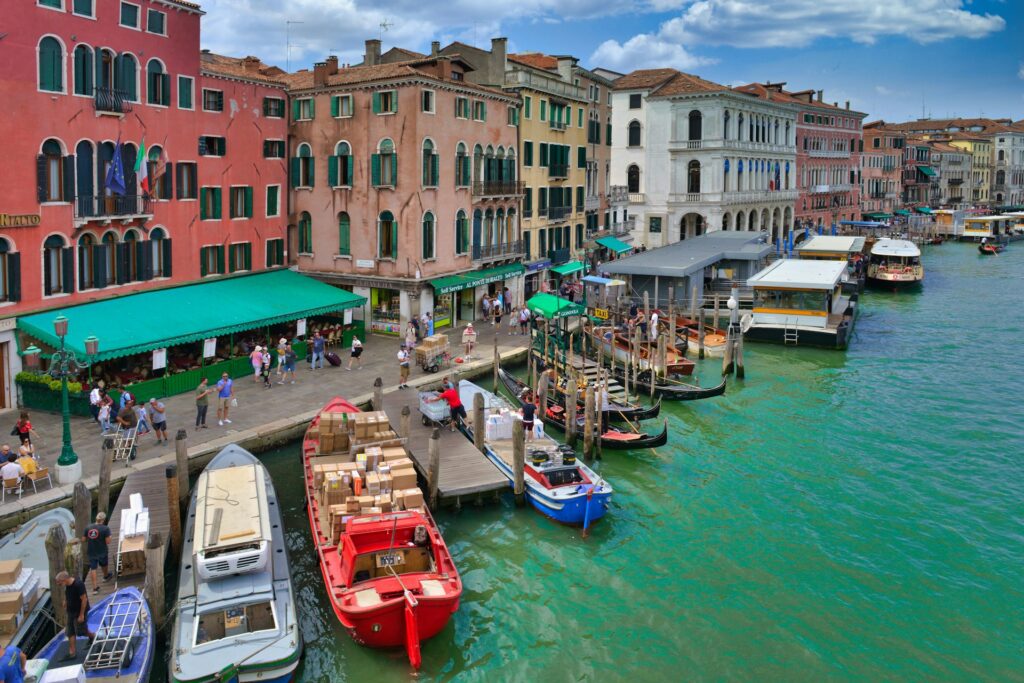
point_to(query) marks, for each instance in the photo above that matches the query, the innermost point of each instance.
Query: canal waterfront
(838, 516)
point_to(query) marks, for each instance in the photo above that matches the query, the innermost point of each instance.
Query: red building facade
(79, 76)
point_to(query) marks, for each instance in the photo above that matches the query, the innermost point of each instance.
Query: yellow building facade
(980, 150)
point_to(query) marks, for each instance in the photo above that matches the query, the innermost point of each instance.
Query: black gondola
(616, 412)
(613, 438)
(672, 392)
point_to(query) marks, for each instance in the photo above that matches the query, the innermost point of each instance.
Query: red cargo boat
(387, 588)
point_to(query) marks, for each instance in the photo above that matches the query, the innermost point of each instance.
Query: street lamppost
(64, 364)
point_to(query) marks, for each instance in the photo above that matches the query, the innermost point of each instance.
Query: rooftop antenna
(384, 26)
(288, 44)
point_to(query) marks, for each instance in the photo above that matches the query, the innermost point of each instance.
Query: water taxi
(977, 228)
(895, 263)
(801, 302)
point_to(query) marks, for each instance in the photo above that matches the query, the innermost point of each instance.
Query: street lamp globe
(60, 326)
(731, 303)
(92, 345)
(31, 356)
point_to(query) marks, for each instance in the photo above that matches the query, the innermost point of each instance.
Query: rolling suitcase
(333, 359)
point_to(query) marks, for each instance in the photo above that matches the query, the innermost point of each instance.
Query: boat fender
(412, 632)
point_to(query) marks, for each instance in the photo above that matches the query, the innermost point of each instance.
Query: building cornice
(387, 84)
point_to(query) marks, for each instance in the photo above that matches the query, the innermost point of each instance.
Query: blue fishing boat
(236, 619)
(122, 649)
(557, 484)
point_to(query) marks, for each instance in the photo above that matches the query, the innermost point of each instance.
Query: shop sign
(210, 347)
(364, 263)
(601, 313)
(538, 265)
(300, 328)
(159, 359)
(19, 220)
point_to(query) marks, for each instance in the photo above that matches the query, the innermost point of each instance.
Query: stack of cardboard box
(20, 588)
(333, 432)
(132, 534)
(431, 347)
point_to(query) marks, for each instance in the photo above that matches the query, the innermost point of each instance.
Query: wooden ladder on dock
(790, 335)
(616, 392)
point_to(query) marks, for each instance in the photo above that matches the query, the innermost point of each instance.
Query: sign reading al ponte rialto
(19, 220)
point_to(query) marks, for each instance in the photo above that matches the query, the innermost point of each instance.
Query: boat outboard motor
(538, 456)
(568, 454)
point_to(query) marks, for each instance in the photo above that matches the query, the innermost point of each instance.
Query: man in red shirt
(454, 403)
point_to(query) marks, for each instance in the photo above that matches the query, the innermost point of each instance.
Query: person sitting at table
(11, 469)
(27, 460)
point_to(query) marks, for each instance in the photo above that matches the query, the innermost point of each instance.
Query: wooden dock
(465, 471)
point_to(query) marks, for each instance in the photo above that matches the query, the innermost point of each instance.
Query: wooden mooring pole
(588, 424)
(434, 467)
(700, 337)
(153, 588)
(81, 503)
(403, 423)
(378, 394)
(103, 490)
(56, 543)
(181, 458)
(497, 357)
(518, 461)
(173, 508)
(479, 427)
(571, 414)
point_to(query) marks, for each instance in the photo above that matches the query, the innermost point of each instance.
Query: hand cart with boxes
(433, 353)
(432, 412)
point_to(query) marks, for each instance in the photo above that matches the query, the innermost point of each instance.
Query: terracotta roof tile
(536, 60)
(988, 126)
(779, 95)
(683, 84)
(353, 75)
(249, 68)
(644, 79)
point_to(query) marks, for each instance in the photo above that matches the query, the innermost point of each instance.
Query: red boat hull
(383, 624)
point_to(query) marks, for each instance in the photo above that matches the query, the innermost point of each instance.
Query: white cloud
(645, 51)
(882, 90)
(1020, 72)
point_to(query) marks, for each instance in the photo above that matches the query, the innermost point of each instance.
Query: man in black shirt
(529, 410)
(97, 538)
(76, 602)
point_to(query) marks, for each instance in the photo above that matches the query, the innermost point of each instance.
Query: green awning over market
(553, 307)
(901, 212)
(922, 209)
(456, 283)
(877, 216)
(568, 268)
(927, 170)
(179, 315)
(616, 245)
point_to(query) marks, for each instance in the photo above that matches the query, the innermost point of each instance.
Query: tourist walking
(319, 346)
(142, 419)
(290, 358)
(96, 401)
(508, 299)
(203, 392)
(357, 351)
(486, 303)
(410, 336)
(256, 359)
(76, 603)
(513, 320)
(126, 396)
(281, 344)
(104, 417)
(158, 418)
(524, 320)
(24, 429)
(265, 369)
(430, 324)
(97, 541)
(469, 340)
(497, 309)
(403, 367)
(415, 322)
(225, 395)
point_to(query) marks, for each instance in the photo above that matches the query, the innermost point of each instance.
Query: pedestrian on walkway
(96, 538)
(281, 344)
(357, 351)
(290, 359)
(430, 324)
(513, 320)
(524, 320)
(104, 417)
(425, 326)
(265, 369)
(497, 310)
(486, 303)
(95, 401)
(256, 359)
(415, 322)
(203, 392)
(76, 602)
(158, 418)
(507, 297)
(469, 340)
(403, 367)
(143, 422)
(125, 397)
(24, 428)
(225, 394)
(319, 346)
(126, 417)
(410, 336)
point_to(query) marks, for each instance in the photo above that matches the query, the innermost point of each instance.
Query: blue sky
(890, 58)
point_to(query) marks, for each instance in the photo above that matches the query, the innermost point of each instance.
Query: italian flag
(142, 168)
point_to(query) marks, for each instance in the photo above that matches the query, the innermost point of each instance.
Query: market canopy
(568, 268)
(902, 212)
(475, 278)
(553, 307)
(922, 209)
(616, 245)
(877, 216)
(179, 315)
(927, 170)
(605, 281)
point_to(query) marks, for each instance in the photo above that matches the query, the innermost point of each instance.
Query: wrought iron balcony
(557, 213)
(112, 101)
(955, 181)
(618, 194)
(557, 125)
(494, 252)
(103, 207)
(558, 170)
(498, 188)
(623, 227)
(559, 256)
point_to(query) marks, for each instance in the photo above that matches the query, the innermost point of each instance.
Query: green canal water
(836, 516)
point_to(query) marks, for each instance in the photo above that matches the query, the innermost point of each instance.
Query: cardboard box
(372, 511)
(403, 478)
(327, 443)
(372, 483)
(399, 463)
(391, 453)
(385, 482)
(412, 498)
(66, 674)
(11, 602)
(9, 623)
(352, 505)
(365, 501)
(383, 502)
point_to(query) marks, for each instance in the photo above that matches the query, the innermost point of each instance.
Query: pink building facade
(79, 76)
(405, 187)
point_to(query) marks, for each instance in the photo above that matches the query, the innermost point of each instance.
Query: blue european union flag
(115, 173)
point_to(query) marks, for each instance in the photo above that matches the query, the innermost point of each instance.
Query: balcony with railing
(955, 181)
(636, 197)
(686, 144)
(592, 203)
(112, 207)
(618, 194)
(556, 125)
(496, 252)
(557, 213)
(111, 101)
(559, 256)
(558, 170)
(623, 227)
(535, 81)
(498, 188)
(828, 154)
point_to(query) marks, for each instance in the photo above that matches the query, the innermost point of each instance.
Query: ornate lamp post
(64, 364)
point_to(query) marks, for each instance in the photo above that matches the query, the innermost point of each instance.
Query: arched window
(342, 165)
(83, 70)
(1000, 177)
(86, 262)
(126, 76)
(10, 272)
(344, 234)
(725, 125)
(51, 65)
(303, 168)
(693, 177)
(696, 121)
(775, 137)
(488, 233)
(51, 172)
(725, 221)
(510, 165)
(633, 178)
(633, 134)
(478, 164)
(384, 165)
(461, 166)
(786, 141)
(158, 84)
(109, 255)
(461, 232)
(387, 236)
(160, 253)
(305, 233)
(105, 74)
(428, 236)
(499, 227)
(489, 174)
(430, 164)
(159, 180)
(58, 267)
(130, 261)
(739, 127)
(83, 177)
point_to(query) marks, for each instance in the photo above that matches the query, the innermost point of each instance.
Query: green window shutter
(332, 170)
(394, 101)
(220, 258)
(312, 170)
(394, 239)
(434, 172)
(202, 204)
(271, 201)
(232, 266)
(465, 170)
(312, 107)
(542, 198)
(579, 198)
(543, 110)
(348, 163)
(335, 105)
(295, 172)
(580, 118)
(202, 262)
(394, 170)
(581, 157)
(527, 106)
(216, 202)
(544, 154)
(248, 202)
(608, 135)
(248, 256)
(376, 103)
(528, 200)
(527, 154)
(375, 170)
(344, 236)
(483, 111)
(295, 110)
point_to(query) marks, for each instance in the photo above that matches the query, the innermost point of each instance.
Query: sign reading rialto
(19, 220)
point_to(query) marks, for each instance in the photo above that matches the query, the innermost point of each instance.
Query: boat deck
(151, 483)
(465, 471)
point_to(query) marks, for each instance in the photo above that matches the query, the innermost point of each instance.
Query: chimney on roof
(372, 56)
(332, 65)
(821, 95)
(320, 73)
(499, 50)
(565, 65)
(251, 63)
(847, 104)
(435, 48)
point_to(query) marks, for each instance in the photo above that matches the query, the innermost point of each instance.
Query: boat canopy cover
(831, 244)
(890, 247)
(799, 274)
(553, 307)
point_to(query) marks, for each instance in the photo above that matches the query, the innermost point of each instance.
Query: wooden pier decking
(465, 471)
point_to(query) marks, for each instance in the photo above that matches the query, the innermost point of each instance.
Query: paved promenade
(263, 418)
